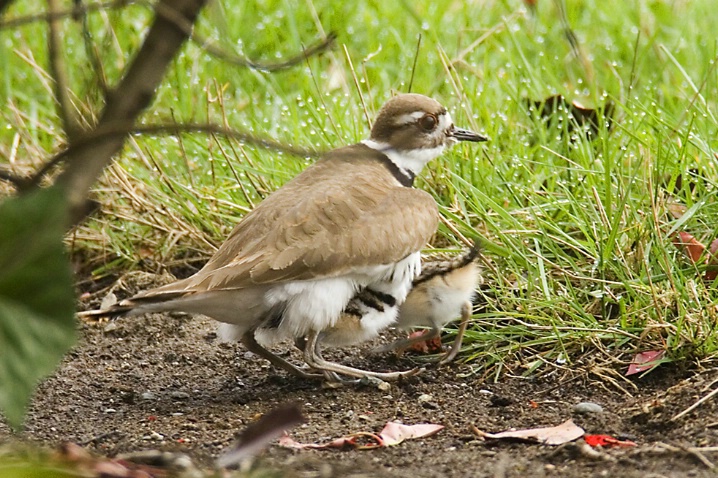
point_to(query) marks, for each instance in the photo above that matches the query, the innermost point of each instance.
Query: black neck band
(405, 177)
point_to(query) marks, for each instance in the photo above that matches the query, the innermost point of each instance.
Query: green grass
(577, 233)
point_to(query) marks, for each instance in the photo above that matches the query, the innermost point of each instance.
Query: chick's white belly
(433, 306)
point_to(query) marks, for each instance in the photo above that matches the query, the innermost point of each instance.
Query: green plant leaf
(36, 296)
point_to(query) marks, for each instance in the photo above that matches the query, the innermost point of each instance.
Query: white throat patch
(412, 160)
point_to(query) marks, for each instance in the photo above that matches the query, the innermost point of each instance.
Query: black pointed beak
(466, 135)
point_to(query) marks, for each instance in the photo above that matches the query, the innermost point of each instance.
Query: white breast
(318, 304)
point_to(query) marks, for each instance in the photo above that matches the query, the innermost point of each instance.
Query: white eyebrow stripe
(408, 118)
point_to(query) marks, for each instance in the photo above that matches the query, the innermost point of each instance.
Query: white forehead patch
(445, 122)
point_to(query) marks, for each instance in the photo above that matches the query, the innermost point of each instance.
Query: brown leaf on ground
(563, 433)
(392, 434)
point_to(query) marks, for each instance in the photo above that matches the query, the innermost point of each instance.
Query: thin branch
(234, 59)
(18, 182)
(168, 14)
(413, 67)
(695, 405)
(67, 114)
(131, 97)
(49, 16)
(90, 140)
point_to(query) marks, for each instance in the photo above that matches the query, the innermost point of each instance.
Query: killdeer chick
(350, 223)
(443, 292)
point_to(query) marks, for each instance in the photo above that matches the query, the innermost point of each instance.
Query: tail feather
(431, 269)
(111, 312)
(127, 306)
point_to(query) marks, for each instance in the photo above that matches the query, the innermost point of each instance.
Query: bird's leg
(456, 346)
(314, 359)
(401, 345)
(251, 344)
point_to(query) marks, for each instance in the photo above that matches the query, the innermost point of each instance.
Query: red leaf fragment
(643, 361)
(431, 346)
(607, 441)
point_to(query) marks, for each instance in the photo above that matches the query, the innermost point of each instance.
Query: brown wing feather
(342, 212)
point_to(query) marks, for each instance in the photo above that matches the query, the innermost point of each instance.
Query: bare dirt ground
(164, 382)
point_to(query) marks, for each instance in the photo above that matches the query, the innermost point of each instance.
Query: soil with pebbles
(164, 382)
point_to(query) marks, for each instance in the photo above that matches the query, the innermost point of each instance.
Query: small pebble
(110, 410)
(384, 386)
(587, 407)
(147, 396)
(179, 395)
(425, 397)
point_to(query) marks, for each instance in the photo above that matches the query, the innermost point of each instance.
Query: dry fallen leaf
(392, 434)
(563, 433)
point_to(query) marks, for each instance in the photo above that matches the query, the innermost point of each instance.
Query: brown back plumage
(345, 211)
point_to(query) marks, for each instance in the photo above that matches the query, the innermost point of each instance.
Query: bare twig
(235, 59)
(356, 84)
(124, 105)
(49, 16)
(90, 140)
(695, 405)
(17, 181)
(59, 74)
(186, 27)
(413, 67)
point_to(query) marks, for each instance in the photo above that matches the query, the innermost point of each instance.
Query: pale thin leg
(313, 358)
(251, 344)
(456, 346)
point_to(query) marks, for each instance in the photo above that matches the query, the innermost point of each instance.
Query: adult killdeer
(349, 224)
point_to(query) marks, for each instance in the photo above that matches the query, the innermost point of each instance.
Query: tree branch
(18, 182)
(235, 59)
(186, 27)
(131, 97)
(91, 139)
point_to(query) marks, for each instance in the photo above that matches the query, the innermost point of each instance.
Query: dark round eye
(428, 122)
